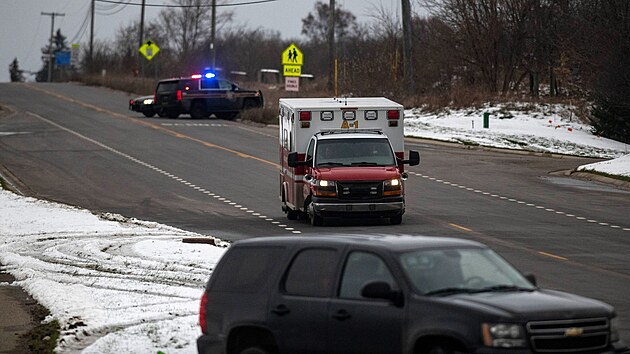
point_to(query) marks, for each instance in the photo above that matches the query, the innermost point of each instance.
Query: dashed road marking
(160, 171)
(521, 202)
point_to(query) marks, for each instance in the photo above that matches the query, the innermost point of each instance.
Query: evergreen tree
(16, 73)
(59, 45)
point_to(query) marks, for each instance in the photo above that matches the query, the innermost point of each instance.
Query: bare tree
(189, 25)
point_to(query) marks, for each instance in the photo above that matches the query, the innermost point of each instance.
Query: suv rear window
(170, 86)
(246, 269)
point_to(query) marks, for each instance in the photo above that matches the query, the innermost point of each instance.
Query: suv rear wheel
(198, 110)
(254, 350)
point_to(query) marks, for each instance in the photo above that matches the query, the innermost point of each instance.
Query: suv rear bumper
(209, 345)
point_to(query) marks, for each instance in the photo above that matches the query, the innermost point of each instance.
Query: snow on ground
(119, 285)
(115, 285)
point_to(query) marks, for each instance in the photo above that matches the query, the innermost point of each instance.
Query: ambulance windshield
(354, 152)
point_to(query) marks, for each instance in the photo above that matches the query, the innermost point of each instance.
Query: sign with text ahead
(149, 50)
(292, 60)
(292, 70)
(292, 83)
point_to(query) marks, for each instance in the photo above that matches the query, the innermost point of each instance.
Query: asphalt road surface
(82, 146)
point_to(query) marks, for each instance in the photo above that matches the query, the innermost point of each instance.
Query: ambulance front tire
(316, 220)
(292, 214)
(396, 220)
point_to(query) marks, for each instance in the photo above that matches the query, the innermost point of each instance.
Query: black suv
(390, 294)
(203, 95)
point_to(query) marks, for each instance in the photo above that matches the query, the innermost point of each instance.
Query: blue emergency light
(209, 75)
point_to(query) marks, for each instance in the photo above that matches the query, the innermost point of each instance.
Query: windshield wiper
(503, 288)
(364, 163)
(330, 163)
(450, 291)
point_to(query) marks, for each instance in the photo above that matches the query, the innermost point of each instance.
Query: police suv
(202, 95)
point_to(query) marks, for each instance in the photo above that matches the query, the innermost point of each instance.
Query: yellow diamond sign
(292, 56)
(149, 50)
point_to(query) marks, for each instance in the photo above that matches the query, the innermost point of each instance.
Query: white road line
(145, 164)
(551, 210)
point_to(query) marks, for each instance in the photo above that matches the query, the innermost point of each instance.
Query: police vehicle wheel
(249, 104)
(148, 114)
(198, 110)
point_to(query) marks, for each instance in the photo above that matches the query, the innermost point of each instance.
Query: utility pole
(213, 52)
(331, 46)
(90, 68)
(50, 48)
(407, 47)
(141, 36)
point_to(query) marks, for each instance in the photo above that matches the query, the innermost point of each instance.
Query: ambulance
(342, 158)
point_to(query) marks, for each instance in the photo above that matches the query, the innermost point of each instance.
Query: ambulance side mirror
(414, 158)
(292, 160)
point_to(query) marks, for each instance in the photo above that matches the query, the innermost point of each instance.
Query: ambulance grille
(359, 190)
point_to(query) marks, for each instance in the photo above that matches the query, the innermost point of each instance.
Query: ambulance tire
(396, 220)
(316, 220)
(293, 214)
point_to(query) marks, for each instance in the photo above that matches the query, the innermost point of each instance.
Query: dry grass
(457, 97)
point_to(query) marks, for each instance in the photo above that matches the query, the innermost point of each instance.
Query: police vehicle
(143, 104)
(201, 95)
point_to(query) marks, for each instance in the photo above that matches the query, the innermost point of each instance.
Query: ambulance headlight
(392, 187)
(325, 188)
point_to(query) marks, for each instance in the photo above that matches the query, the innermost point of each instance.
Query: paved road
(81, 146)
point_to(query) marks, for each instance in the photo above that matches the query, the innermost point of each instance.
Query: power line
(191, 6)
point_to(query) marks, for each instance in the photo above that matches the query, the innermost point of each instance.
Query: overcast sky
(24, 31)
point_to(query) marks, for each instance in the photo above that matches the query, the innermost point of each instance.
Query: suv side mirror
(414, 158)
(383, 291)
(292, 160)
(531, 278)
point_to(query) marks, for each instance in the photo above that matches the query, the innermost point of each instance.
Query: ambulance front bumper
(383, 209)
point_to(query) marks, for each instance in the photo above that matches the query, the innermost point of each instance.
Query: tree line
(463, 51)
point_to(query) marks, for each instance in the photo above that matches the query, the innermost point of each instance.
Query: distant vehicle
(202, 95)
(390, 294)
(143, 104)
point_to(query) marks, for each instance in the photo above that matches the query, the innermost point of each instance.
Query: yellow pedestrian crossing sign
(149, 50)
(292, 56)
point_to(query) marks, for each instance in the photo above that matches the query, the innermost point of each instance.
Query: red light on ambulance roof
(196, 76)
(393, 114)
(305, 116)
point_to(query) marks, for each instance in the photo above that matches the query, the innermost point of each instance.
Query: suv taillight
(179, 95)
(202, 312)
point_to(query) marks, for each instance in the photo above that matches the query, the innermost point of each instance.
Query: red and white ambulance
(342, 157)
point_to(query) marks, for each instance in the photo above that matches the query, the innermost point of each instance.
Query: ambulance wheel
(293, 214)
(317, 220)
(396, 220)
